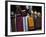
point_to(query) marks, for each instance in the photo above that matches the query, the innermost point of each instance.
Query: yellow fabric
(31, 22)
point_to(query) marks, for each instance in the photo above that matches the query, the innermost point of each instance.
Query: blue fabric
(25, 23)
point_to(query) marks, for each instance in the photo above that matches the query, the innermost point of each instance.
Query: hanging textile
(37, 22)
(31, 23)
(19, 23)
(25, 24)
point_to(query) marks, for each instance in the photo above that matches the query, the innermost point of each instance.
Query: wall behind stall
(2, 18)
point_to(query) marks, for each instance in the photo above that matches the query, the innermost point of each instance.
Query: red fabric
(19, 23)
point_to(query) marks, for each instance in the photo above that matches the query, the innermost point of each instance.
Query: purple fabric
(19, 23)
